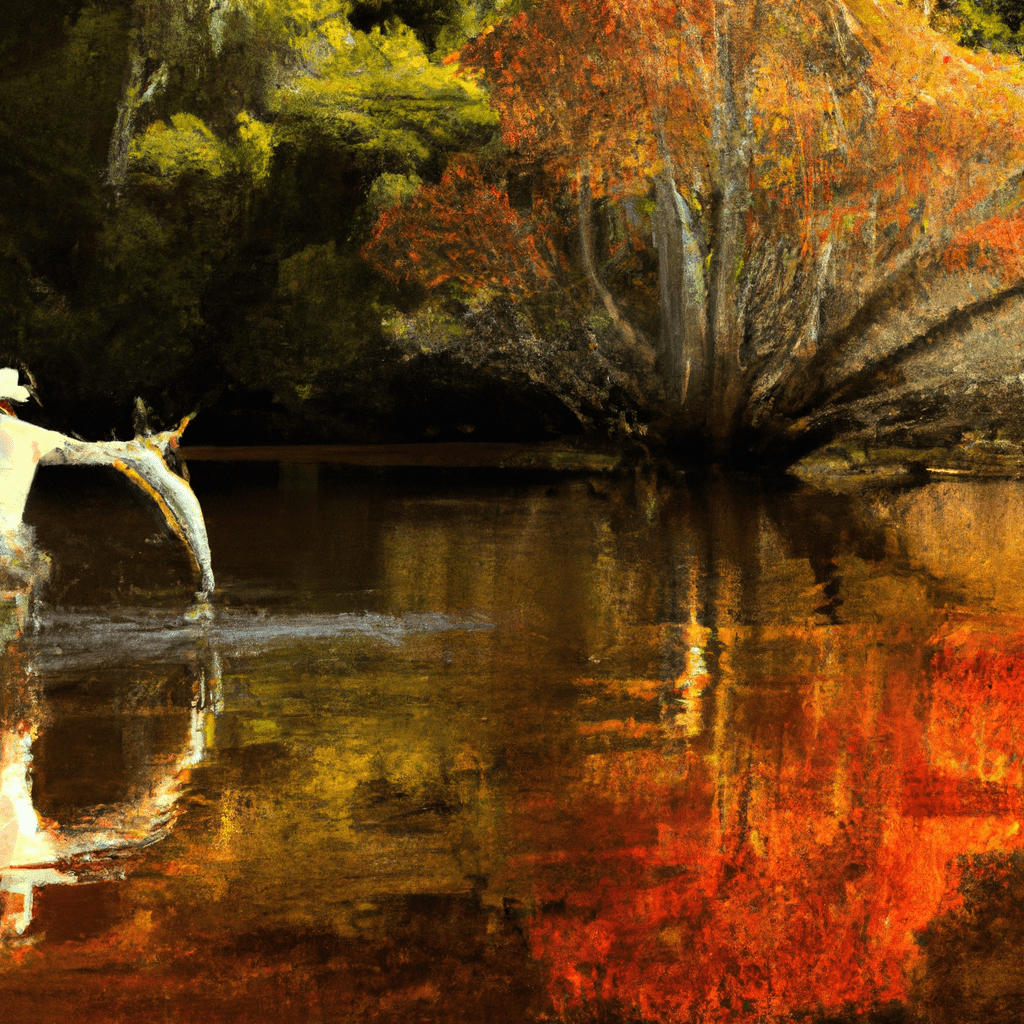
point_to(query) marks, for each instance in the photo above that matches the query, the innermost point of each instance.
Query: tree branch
(584, 200)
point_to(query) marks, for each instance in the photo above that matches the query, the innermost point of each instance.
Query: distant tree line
(325, 219)
(184, 190)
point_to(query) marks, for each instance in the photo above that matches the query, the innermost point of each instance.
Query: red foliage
(858, 129)
(996, 246)
(787, 863)
(465, 230)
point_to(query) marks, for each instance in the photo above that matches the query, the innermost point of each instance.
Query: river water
(471, 746)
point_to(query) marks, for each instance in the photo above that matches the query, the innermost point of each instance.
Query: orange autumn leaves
(505, 250)
(973, 733)
(788, 859)
(862, 137)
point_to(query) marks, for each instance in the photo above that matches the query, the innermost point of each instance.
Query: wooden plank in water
(444, 455)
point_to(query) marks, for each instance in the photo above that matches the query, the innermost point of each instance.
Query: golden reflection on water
(722, 752)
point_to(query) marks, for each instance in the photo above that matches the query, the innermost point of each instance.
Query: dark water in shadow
(480, 747)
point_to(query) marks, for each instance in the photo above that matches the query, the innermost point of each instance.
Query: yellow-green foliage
(255, 147)
(187, 144)
(389, 189)
(292, 20)
(377, 93)
(380, 92)
(984, 27)
(184, 145)
(981, 24)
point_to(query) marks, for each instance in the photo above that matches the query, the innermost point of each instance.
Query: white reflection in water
(36, 851)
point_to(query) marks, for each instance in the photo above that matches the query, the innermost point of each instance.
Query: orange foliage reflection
(784, 857)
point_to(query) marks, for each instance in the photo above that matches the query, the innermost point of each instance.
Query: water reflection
(796, 847)
(841, 745)
(571, 749)
(84, 843)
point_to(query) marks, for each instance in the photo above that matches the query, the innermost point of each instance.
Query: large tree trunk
(584, 200)
(632, 353)
(729, 204)
(139, 88)
(137, 91)
(684, 353)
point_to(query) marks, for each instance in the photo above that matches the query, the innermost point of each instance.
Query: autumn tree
(807, 195)
(187, 187)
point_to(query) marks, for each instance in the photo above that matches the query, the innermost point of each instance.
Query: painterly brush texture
(740, 230)
(794, 218)
(510, 751)
(550, 717)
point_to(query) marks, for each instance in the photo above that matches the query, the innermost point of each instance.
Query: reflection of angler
(143, 460)
(35, 852)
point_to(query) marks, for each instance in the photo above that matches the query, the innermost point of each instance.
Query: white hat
(10, 388)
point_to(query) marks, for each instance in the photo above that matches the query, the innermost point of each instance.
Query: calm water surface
(501, 748)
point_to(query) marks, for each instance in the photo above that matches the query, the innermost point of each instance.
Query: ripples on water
(484, 748)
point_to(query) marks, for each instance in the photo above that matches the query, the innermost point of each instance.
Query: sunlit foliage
(176, 156)
(801, 178)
